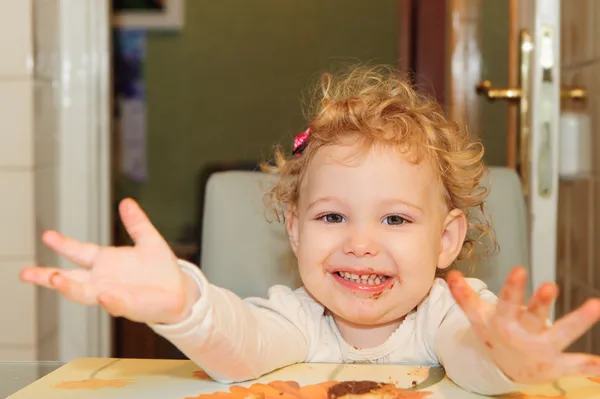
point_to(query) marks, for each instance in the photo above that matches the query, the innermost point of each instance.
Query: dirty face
(370, 231)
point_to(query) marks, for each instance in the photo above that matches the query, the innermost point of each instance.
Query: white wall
(18, 306)
(54, 167)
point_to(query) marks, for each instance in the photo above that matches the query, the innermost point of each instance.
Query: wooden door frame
(427, 45)
(422, 45)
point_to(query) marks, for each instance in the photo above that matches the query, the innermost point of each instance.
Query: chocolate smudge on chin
(376, 295)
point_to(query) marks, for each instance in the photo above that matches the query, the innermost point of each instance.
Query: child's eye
(394, 220)
(332, 218)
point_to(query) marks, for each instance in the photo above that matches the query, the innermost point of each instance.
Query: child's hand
(143, 283)
(522, 343)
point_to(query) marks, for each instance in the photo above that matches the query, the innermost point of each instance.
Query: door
(508, 84)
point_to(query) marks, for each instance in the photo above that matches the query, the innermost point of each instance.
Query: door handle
(573, 93)
(487, 89)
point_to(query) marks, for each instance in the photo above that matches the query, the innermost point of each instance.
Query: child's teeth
(370, 279)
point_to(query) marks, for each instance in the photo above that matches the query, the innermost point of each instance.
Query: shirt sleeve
(235, 340)
(464, 358)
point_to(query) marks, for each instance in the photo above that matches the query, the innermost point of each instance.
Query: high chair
(246, 250)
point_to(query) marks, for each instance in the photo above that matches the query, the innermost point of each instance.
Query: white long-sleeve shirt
(234, 339)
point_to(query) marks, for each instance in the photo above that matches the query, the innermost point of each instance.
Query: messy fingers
(536, 316)
(540, 303)
(512, 294)
(465, 297)
(572, 326)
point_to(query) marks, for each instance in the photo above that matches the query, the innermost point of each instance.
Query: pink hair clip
(300, 142)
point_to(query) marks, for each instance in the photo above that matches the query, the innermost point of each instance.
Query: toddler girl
(375, 201)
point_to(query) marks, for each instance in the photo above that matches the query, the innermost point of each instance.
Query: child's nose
(361, 242)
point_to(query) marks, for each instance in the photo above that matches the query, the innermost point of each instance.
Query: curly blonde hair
(376, 105)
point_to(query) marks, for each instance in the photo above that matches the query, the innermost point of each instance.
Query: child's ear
(453, 237)
(291, 226)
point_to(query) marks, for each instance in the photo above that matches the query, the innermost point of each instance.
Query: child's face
(369, 233)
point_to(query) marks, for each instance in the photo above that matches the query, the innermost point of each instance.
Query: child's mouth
(363, 282)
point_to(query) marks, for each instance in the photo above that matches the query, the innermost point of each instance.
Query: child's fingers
(83, 293)
(77, 252)
(512, 294)
(41, 275)
(572, 326)
(38, 275)
(535, 317)
(540, 303)
(465, 297)
(137, 224)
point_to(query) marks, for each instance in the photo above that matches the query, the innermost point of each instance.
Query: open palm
(519, 338)
(142, 283)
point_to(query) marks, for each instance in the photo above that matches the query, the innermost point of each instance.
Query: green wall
(229, 86)
(493, 120)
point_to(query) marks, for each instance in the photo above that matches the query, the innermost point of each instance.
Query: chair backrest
(246, 250)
